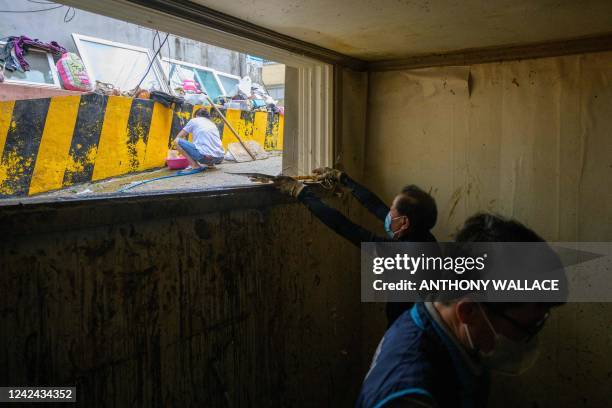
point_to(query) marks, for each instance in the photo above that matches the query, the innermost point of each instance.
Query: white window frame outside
(157, 71)
(220, 74)
(56, 82)
(190, 65)
(216, 74)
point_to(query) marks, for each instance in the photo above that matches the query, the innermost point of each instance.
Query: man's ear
(405, 223)
(467, 311)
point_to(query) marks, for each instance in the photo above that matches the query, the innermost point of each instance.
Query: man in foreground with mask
(440, 354)
(411, 216)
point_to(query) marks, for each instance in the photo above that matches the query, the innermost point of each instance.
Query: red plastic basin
(177, 163)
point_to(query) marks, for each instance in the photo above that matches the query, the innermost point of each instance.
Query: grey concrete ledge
(33, 216)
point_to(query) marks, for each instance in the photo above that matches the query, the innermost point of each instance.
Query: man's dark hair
(484, 227)
(202, 113)
(419, 206)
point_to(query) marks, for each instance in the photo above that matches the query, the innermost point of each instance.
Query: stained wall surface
(529, 140)
(231, 300)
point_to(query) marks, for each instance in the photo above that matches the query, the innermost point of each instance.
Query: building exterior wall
(273, 77)
(273, 74)
(50, 26)
(527, 139)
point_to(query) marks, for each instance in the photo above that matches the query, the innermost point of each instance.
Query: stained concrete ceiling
(390, 29)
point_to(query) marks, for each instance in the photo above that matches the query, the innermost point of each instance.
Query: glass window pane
(40, 71)
(179, 73)
(228, 82)
(120, 67)
(209, 84)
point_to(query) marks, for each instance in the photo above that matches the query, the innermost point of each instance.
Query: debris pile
(247, 95)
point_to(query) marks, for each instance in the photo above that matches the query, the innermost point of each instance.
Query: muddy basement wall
(167, 304)
(530, 140)
(239, 298)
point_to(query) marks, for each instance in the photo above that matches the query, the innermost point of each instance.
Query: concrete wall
(14, 92)
(216, 300)
(351, 152)
(529, 140)
(50, 26)
(273, 74)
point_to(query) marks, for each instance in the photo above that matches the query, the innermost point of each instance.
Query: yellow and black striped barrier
(51, 143)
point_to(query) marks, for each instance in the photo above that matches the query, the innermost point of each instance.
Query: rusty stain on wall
(454, 200)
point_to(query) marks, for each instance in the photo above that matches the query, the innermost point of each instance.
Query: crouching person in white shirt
(206, 147)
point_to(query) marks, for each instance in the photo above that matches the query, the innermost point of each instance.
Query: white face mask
(507, 356)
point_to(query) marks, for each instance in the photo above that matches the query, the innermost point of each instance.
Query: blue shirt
(419, 358)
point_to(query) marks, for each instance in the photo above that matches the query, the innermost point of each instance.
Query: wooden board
(239, 152)
(242, 155)
(256, 149)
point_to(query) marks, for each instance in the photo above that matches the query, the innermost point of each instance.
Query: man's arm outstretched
(367, 198)
(329, 216)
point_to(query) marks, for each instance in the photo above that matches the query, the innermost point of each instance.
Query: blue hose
(178, 174)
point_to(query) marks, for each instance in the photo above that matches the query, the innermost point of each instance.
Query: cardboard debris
(242, 155)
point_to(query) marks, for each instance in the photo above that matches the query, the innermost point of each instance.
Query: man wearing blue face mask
(440, 354)
(411, 216)
(413, 212)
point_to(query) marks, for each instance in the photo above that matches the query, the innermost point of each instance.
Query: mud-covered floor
(219, 176)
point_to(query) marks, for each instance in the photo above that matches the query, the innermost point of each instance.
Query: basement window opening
(121, 94)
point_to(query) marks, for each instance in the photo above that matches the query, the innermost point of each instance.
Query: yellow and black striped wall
(50, 143)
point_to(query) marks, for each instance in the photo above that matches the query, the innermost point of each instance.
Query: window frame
(215, 73)
(220, 74)
(157, 69)
(56, 81)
